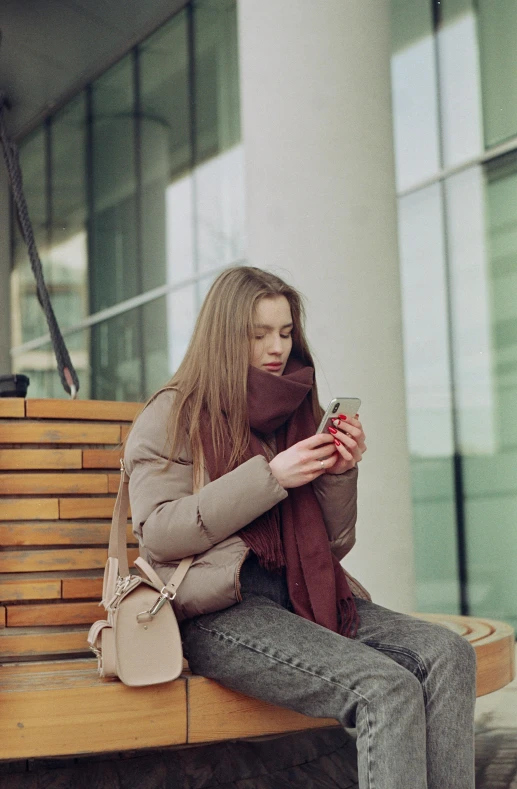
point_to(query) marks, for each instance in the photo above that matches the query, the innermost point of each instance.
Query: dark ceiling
(52, 48)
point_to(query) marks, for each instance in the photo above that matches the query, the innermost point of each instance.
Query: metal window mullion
(457, 460)
(90, 219)
(486, 157)
(49, 273)
(192, 104)
(457, 457)
(137, 149)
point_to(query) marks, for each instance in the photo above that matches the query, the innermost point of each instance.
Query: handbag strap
(117, 564)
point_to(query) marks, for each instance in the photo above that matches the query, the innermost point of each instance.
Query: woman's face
(272, 341)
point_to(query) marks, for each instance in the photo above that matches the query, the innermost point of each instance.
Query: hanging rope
(66, 370)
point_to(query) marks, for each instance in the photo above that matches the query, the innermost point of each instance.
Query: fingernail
(332, 430)
(357, 416)
(342, 416)
(337, 443)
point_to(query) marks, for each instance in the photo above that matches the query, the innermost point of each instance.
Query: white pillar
(5, 272)
(316, 115)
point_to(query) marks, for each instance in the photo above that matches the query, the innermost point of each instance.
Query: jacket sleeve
(337, 496)
(170, 520)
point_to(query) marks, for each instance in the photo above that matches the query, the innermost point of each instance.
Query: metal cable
(67, 373)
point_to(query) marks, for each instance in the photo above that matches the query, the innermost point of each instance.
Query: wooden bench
(59, 465)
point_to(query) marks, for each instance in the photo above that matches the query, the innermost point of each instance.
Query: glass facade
(135, 190)
(454, 77)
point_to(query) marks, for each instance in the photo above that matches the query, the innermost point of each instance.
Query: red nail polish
(342, 416)
(332, 430)
(337, 443)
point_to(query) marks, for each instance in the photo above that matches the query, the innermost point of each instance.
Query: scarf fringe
(266, 544)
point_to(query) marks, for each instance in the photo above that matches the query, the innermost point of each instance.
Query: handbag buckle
(146, 616)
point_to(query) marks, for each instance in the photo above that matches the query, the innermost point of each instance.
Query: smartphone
(349, 406)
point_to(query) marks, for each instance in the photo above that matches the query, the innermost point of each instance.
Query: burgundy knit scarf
(291, 534)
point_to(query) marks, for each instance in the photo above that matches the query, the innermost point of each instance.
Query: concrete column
(316, 115)
(5, 273)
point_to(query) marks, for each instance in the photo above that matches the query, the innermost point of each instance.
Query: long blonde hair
(212, 378)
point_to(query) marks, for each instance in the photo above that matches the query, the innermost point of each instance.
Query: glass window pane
(117, 353)
(136, 353)
(460, 90)
(490, 460)
(497, 35)
(114, 270)
(68, 249)
(414, 92)
(219, 177)
(165, 143)
(470, 301)
(181, 317)
(428, 391)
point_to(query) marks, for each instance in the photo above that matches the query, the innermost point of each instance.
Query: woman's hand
(305, 460)
(349, 440)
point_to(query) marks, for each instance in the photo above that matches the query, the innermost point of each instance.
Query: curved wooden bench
(57, 490)
(494, 643)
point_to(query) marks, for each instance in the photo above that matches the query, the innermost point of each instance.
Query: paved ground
(496, 739)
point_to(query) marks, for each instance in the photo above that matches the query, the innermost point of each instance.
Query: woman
(266, 608)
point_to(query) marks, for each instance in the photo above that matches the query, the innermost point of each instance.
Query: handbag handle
(117, 564)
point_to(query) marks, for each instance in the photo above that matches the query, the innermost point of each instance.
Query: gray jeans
(407, 686)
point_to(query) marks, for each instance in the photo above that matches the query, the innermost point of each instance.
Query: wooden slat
(27, 588)
(58, 433)
(58, 533)
(73, 712)
(82, 588)
(29, 483)
(82, 409)
(12, 407)
(58, 614)
(86, 508)
(28, 509)
(57, 559)
(101, 458)
(40, 458)
(124, 431)
(216, 713)
(3, 616)
(50, 559)
(41, 673)
(18, 643)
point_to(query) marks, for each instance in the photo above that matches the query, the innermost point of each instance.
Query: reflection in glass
(497, 32)
(219, 176)
(414, 93)
(114, 273)
(490, 462)
(144, 171)
(428, 395)
(138, 351)
(470, 295)
(166, 150)
(67, 256)
(460, 90)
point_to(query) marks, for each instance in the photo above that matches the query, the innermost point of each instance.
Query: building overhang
(50, 50)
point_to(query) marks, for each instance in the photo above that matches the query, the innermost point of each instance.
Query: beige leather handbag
(139, 641)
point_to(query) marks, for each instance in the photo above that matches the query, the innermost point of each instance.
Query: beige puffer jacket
(170, 521)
